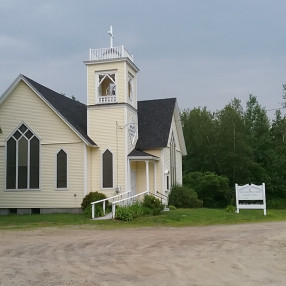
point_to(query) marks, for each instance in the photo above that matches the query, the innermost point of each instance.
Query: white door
(133, 183)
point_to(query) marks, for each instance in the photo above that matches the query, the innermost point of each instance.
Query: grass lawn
(175, 218)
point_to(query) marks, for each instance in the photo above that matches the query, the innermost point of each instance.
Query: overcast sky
(204, 52)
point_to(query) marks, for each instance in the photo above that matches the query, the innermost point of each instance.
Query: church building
(55, 150)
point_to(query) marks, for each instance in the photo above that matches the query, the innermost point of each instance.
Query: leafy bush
(153, 204)
(212, 189)
(184, 197)
(98, 211)
(124, 213)
(98, 208)
(149, 206)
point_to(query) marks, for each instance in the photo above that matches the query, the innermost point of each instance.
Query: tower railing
(109, 53)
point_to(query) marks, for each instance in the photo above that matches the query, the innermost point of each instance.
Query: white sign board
(250, 193)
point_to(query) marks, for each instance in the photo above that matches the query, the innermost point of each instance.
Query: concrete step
(107, 216)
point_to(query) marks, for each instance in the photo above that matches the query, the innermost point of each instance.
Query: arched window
(23, 160)
(107, 169)
(62, 169)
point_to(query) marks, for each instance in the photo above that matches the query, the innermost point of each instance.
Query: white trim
(155, 183)
(143, 158)
(97, 83)
(131, 63)
(162, 171)
(101, 157)
(179, 130)
(84, 170)
(127, 168)
(56, 168)
(128, 179)
(147, 176)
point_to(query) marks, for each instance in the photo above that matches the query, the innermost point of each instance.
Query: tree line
(242, 144)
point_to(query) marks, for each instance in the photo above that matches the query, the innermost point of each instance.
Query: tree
(200, 136)
(234, 149)
(258, 129)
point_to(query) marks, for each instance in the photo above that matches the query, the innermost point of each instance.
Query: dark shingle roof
(73, 111)
(154, 117)
(154, 122)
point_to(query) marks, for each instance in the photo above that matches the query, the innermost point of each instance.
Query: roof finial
(111, 36)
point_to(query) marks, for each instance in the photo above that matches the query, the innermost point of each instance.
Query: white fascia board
(143, 158)
(180, 130)
(9, 90)
(111, 61)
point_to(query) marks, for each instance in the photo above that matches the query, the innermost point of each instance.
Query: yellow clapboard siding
(23, 105)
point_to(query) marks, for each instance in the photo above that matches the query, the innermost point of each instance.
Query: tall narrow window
(23, 160)
(107, 169)
(173, 160)
(61, 169)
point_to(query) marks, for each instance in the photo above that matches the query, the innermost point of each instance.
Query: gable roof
(154, 122)
(154, 116)
(72, 111)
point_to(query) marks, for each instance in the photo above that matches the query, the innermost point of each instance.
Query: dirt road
(246, 254)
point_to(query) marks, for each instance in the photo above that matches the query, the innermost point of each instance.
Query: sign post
(250, 193)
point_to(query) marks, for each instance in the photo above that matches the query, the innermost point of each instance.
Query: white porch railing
(107, 99)
(107, 199)
(109, 53)
(129, 199)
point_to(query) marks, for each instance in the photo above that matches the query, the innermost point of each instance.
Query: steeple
(115, 75)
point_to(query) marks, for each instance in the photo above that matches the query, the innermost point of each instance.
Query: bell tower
(112, 121)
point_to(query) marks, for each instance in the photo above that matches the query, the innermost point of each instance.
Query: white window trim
(56, 170)
(110, 188)
(28, 175)
(96, 81)
(130, 77)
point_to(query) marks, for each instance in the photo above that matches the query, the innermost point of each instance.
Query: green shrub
(212, 189)
(98, 211)
(98, 208)
(172, 208)
(184, 197)
(123, 213)
(152, 203)
(230, 209)
(276, 204)
(138, 210)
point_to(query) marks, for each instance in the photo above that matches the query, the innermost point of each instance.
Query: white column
(155, 185)
(85, 169)
(147, 176)
(128, 175)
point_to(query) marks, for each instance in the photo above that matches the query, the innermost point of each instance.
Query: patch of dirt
(246, 254)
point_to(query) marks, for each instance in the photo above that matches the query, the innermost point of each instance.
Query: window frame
(97, 83)
(56, 170)
(130, 87)
(34, 135)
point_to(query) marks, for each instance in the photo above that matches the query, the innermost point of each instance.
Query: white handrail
(104, 200)
(122, 200)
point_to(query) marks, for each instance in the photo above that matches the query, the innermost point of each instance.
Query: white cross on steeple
(111, 37)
